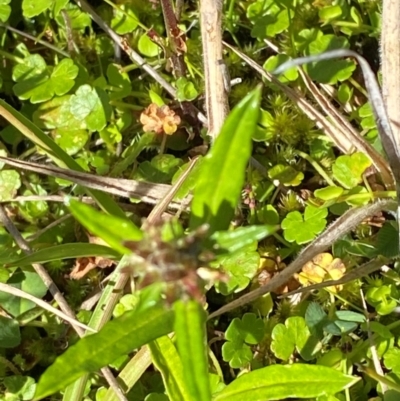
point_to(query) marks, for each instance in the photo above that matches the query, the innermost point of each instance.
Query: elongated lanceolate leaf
(223, 170)
(118, 337)
(278, 382)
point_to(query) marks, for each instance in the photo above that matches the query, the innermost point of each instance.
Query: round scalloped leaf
(147, 47)
(125, 20)
(237, 354)
(91, 106)
(274, 62)
(5, 10)
(10, 182)
(34, 82)
(302, 229)
(71, 141)
(32, 8)
(241, 267)
(348, 170)
(330, 71)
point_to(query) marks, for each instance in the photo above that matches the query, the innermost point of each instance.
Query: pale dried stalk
(22, 294)
(147, 192)
(390, 56)
(217, 107)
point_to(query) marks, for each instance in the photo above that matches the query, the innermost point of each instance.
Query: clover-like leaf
(249, 329)
(382, 298)
(392, 360)
(241, 267)
(10, 182)
(90, 105)
(304, 228)
(237, 354)
(19, 387)
(294, 334)
(348, 170)
(5, 10)
(185, 90)
(32, 8)
(269, 18)
(274, 62)
(72, 141)
(34, 81)
(161, 169)
(332, 71)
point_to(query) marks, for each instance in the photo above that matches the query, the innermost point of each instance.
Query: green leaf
(5, 10)
(388, 241)
(223, 169)
(190, 331)
(330, 71)
(286, 175)
(241, 267)
(118, 337)
(328, 193)
(20, 387)
(232, 241)
(91, 106)
(125, 19)
(65, 251)
(392, 360)
(32, 8)
(10, 182)
(10, 335)
(237, 353)
(72, 141)
(120, 81)
(348, 170)
(112, 229)
(147, 47)
(160, 169)
(274, 62)
(185, 90)
(166, 359)
(35, 83)
(330, 12)
(302, 229)
(278, 382)
(293, 334)
(249, 328)
(26, 281)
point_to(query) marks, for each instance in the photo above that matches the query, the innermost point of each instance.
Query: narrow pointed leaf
(112, 229)
(279, 382)
(190, 331)
(118, 337)
(65, 251)
(166, 359)
(223, 170)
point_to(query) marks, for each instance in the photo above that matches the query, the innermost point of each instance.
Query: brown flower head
(159, 119)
